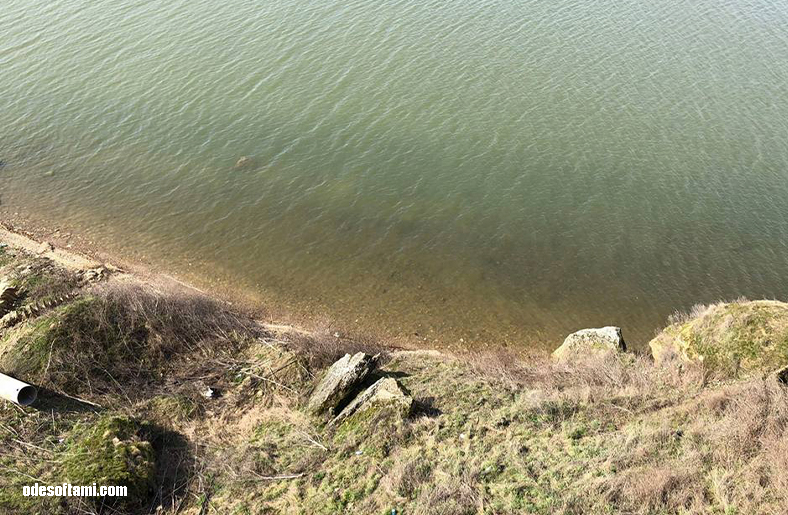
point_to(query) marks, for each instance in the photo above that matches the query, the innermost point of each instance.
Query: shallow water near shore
(477, 172)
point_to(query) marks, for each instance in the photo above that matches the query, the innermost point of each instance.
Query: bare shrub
(682, 317)
(500, 364)
(185, 320)
(659, 488)
(408, 474)
(755, 416)
(122, 336)
(540, 371)
(775, 448)
(322, 347)
(450, 496)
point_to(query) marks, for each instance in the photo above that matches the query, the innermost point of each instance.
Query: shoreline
(268, 304)
(85, 257)
(76, 253)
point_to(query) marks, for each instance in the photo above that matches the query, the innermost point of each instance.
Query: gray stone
(588, 342)
(339, 382)
(385, 393)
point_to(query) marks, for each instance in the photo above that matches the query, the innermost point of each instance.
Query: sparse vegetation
(124, 369)
(729, 339)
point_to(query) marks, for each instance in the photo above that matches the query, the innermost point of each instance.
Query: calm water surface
(497, 171)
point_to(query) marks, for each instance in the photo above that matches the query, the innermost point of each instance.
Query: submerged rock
(340, 380)
(385, 393)
(591, 341)
(244, 162)
(729, 339)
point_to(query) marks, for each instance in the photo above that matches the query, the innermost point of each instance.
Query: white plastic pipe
(16, 391)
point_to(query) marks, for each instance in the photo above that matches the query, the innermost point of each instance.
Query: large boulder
(339, 382)
(386, 393)
(728, 339)
(587, 342)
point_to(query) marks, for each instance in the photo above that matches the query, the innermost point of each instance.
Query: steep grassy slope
(123, 370)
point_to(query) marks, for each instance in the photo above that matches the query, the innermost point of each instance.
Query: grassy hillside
(124, 371)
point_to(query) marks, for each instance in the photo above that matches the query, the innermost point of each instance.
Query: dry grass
(722, 449)
(492, 433)
(677, 443)
(122, 338)
(682, 317)
(323, 346)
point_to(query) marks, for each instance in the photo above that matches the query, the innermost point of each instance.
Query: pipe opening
(27, 395)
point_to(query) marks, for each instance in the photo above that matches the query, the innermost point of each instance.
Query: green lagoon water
(499, 171)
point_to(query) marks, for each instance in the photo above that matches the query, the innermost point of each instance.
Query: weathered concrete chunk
(8, 297)
(587, 342)
(782, 375)
(385, 393)
(45, 247)
(339, 381)
(94, 274)
(9, 319)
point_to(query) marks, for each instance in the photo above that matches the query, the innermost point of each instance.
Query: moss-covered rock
(386, 393)
(730, 339)
(27, 351)
(87, 337)
(111, 452)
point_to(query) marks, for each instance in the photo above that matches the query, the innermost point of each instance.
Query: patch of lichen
(110, 451)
